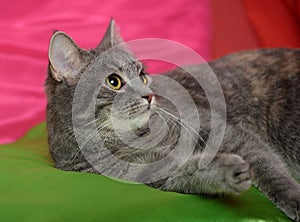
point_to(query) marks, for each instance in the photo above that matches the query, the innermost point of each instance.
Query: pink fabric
(26, 27)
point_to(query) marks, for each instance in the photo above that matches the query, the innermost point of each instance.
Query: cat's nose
(148, 97)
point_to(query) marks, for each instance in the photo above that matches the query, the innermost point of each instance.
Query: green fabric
(32, 190)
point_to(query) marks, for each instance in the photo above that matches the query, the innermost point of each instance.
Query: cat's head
(121, 80)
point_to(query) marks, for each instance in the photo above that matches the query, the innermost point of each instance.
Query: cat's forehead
(119, 61)
(130, 70)
(132, 66)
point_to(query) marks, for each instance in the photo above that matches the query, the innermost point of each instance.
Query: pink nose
(148, 97)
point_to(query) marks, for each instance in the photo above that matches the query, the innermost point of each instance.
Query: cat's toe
(238, 175)
(297, 215)
(290, 205)
(241, 178)
(292, 212)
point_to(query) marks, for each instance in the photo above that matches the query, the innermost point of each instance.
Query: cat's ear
(111, 37)
(65, 57)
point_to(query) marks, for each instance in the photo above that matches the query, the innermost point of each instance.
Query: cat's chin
(138, 123)
(141, 122)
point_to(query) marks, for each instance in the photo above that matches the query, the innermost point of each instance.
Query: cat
(261, 142)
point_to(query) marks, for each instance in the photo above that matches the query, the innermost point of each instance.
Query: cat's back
(257, 84)
(262, 88)
(262, 91)
(253, 78)
(259, 65)
(263, 84)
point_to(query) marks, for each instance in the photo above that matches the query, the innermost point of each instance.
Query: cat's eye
(114, 81)
(144, 78)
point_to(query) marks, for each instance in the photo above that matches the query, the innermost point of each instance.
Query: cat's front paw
(237, 174)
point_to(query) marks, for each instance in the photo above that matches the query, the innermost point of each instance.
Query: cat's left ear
(111, 37)
(65, 57)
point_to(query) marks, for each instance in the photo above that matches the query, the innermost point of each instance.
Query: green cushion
(32, 190)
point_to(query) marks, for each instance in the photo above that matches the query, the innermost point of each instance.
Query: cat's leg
(229, 173)
(226, 173)
(273, 180)
(271, 177)
(269, 173)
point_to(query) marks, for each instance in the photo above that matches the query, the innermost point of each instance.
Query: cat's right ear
(65, 57)
(111, 37)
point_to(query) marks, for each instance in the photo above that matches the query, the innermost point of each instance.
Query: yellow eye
(144, 79)
(114, 81)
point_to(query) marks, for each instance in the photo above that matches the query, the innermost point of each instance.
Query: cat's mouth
(135, 116)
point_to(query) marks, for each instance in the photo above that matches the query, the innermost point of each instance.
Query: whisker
(170, 112)
(181, 124)
(87, 139)
(185, 125)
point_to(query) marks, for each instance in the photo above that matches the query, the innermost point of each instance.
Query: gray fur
(262, 138)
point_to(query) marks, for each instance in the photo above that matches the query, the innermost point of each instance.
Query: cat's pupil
(113, 81)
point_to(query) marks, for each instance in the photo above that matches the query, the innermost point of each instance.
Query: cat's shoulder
(260, 56)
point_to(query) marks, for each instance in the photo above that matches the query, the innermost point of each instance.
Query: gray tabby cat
(262, 138)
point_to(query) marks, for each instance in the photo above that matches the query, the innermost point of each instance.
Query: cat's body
(262, 94)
